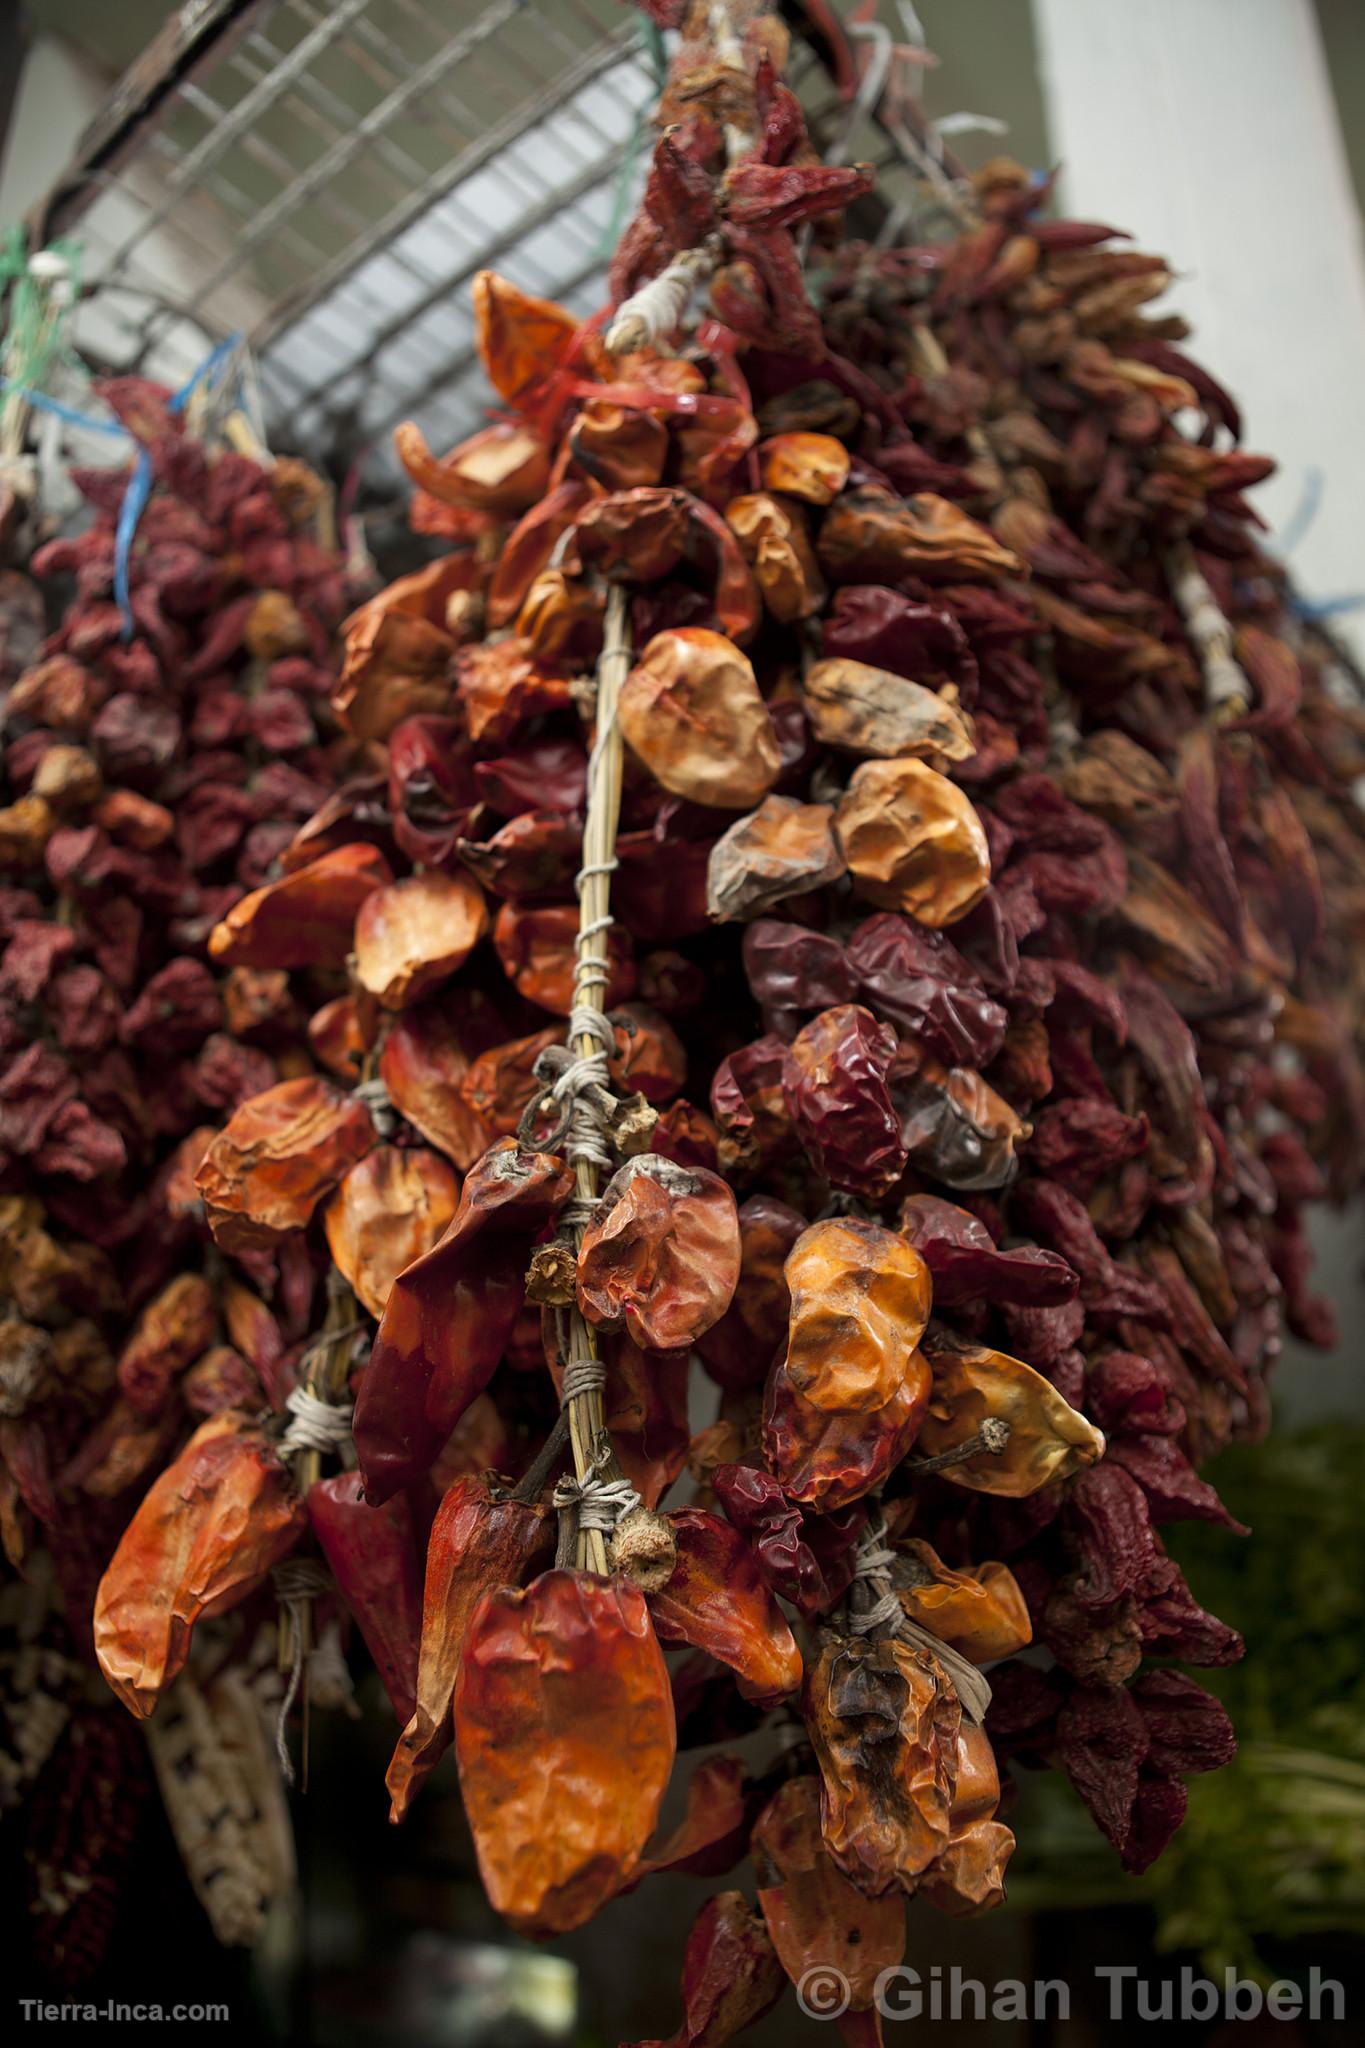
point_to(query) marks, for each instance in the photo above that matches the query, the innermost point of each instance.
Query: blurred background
(326, 179)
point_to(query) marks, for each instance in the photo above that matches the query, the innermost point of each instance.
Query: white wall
(1208, 128)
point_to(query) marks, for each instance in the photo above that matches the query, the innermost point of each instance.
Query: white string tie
(315, 1425)
(600, 1503)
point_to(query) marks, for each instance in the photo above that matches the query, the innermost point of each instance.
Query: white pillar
(1208, 129)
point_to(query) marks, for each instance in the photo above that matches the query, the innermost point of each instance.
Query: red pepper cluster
(158, 756)
(978, 1022)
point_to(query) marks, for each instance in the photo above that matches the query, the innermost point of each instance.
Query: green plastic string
(37, 334)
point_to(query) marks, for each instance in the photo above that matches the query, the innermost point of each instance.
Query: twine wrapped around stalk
(1227, 693)
(595, 1466)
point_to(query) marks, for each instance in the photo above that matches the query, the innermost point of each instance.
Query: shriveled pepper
(203, 1537)
(717, 1602)
(373, 1556)
(479, 1539)
(564, 1735)
(449, 1316)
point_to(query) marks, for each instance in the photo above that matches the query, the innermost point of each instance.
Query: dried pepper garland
(941, 1046)
(159, 753)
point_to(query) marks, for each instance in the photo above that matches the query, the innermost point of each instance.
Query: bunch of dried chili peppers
(969, 1023)
(162, 747)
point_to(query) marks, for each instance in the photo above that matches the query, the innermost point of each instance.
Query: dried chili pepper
(564, 1735)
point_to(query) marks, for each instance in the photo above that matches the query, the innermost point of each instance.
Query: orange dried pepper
(913, 842)
(777, 546)
(276, 1157)
(564, 1736)
(883, 1720)
(814, 1915)
(1048, 1440)
(717, 1602)
(203, 1537)
(422, 1064)
(536, 945)
(871, 711)
(662, 1253)
(810, 466)
(691, 710)
(504, 468)
(478, 1540)
(979, 1611)
(860, 1299)
(413, 934)
(449, 1316)
(388, 1211)
(307, 919)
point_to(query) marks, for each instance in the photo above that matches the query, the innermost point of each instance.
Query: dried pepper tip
(276, 1157)
(662, 1254)
(202, 1538)
(564, 1737)
(645, 1547)
(860, 1300)
(389, 1209)
(913, 842)
(691, 710)
(412, 935)
(813, 1914)
(871, 711)
(1048, 1440)
(883, 1720)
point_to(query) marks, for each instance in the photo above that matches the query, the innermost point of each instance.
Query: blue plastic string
(140, 485)
(40, 402)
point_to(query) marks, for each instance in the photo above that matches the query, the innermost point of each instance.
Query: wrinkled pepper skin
(662, 1255)
(813, 1914)
(449, 1317)
(372, 1554)
(1048, 1441)
(565, 1736)
(205, 1535)
(477, 1542)
(717, 1601)
(883, 1720)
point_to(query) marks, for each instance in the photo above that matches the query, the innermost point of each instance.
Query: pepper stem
(992, 1437)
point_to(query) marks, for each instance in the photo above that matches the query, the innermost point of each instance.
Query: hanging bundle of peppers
(162, 746)
(843, 886)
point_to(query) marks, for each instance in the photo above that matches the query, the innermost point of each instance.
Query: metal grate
(327, 178)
